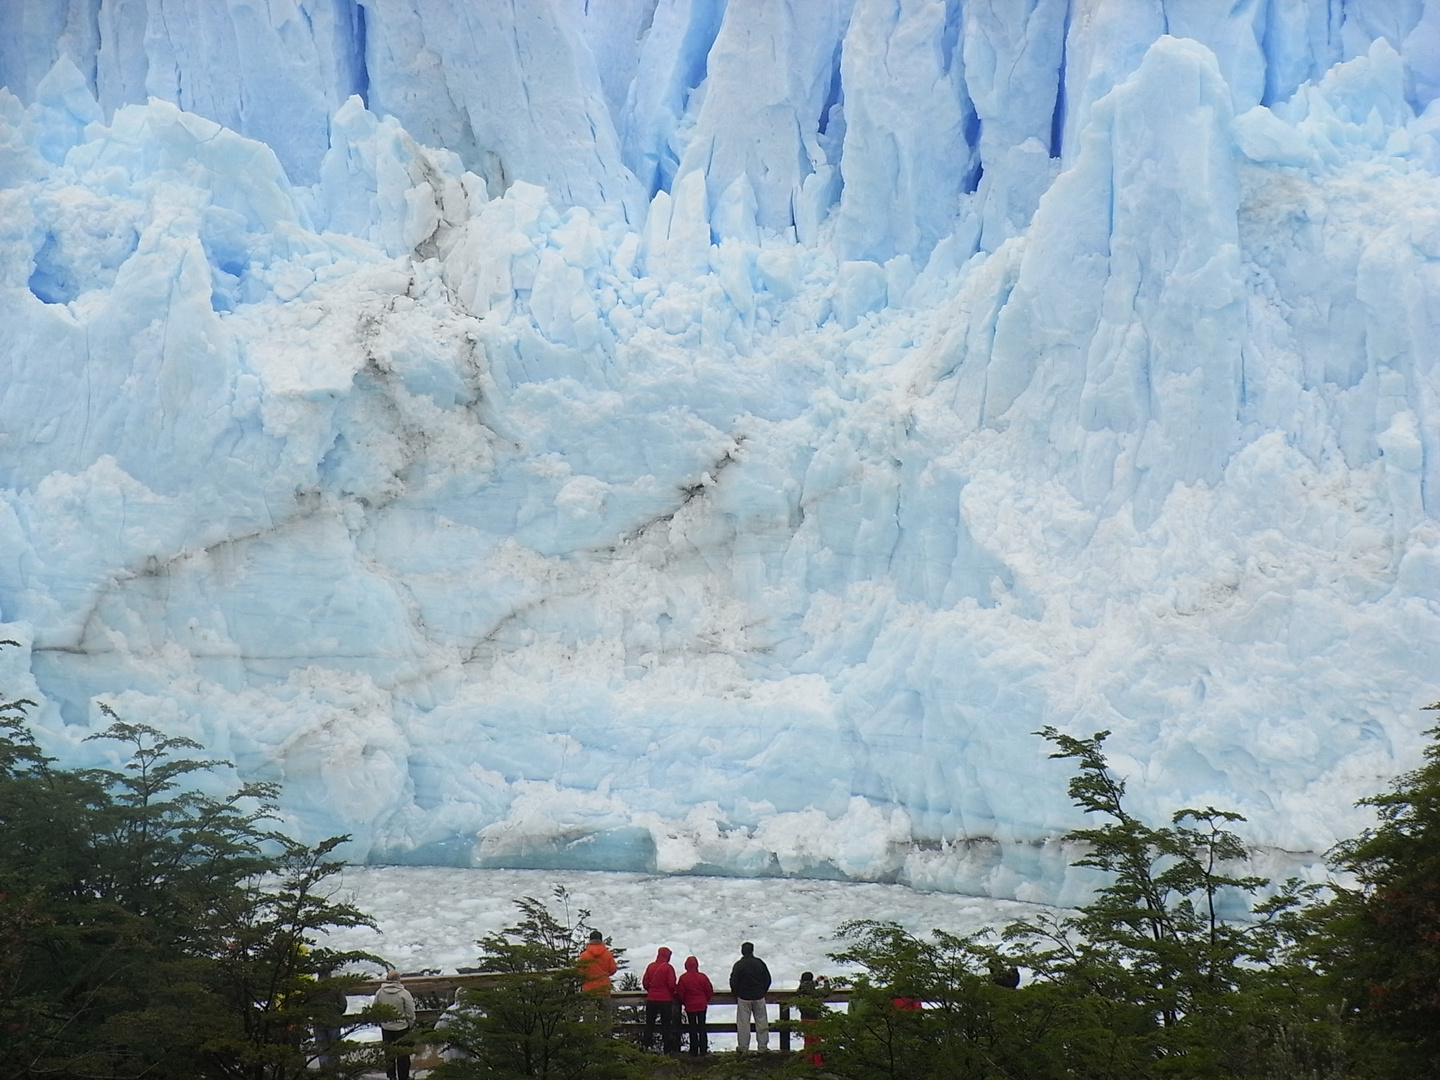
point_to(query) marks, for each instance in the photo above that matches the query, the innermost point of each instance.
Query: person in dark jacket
(695, 990)
(1003, 974)
(809, 998)
(660, 1004)
(330, 1005)
(750, 982)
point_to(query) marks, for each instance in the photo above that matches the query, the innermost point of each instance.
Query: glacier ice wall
(701, 435)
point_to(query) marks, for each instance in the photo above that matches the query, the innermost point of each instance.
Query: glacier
(692, 436)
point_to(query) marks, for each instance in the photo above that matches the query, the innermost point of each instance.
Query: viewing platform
(435, 993)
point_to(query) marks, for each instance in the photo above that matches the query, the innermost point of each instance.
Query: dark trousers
(325, 1038)
(665, 1013)
(397, 1067)
(699, 1041)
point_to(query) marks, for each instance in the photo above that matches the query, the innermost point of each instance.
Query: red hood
(691, 964)
(662, 955)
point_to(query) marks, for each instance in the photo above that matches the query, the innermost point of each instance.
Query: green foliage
(1203, 994)
(264, 971)
(534, 1020)
(969, 1026)
(149, 929)
(1152, 978)
(1385, 930)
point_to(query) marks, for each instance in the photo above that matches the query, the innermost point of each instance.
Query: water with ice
(429, 918)
(793, 924)
(704, 436)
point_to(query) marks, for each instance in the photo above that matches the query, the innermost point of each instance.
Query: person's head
(662, 954)
(692, 964)
(747, 948)
(595, 935)
(392, 975)
(807, 976)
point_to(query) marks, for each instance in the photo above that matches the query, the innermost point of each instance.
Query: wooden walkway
(435, 993)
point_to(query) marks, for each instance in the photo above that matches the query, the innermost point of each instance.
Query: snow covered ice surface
(792, 923)
(697, 436)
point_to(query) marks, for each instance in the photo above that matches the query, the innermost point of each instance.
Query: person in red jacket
(694, 990)
(660, 1004)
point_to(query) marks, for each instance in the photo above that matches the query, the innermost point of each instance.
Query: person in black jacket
(330, 1005)
(809, 998)
(750, 982)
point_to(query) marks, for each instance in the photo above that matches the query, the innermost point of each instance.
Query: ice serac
(1127, 313)
(273, 71)
(511, 86)
(671, 67)
(34, 36)
(1013, 55)
(770, 84)
(700, 436)
(906, 158)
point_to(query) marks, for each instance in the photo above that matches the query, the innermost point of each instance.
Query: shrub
(150, 929)
(533, 1020)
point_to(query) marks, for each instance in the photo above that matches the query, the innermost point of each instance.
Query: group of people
(668, 995)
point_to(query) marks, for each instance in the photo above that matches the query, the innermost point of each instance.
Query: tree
(24, 914)
(267, 974)
(1149, 979)
(150, 929)
(970, 1025)
(1385, 929)
(533, 1020)
(1156, 919)
(1208, 995)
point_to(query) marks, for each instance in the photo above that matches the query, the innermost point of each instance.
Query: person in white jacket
(394, 996)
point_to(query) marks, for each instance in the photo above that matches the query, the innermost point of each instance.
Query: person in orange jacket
(596, 964)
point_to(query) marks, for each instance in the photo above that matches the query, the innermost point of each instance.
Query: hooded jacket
(694, 988)
(398, 998)
(596, 965)
(659, 980)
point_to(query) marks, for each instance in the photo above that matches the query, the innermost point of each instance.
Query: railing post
(784, 1027)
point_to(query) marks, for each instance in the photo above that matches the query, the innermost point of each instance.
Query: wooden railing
(785, 999)
(435, 993)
